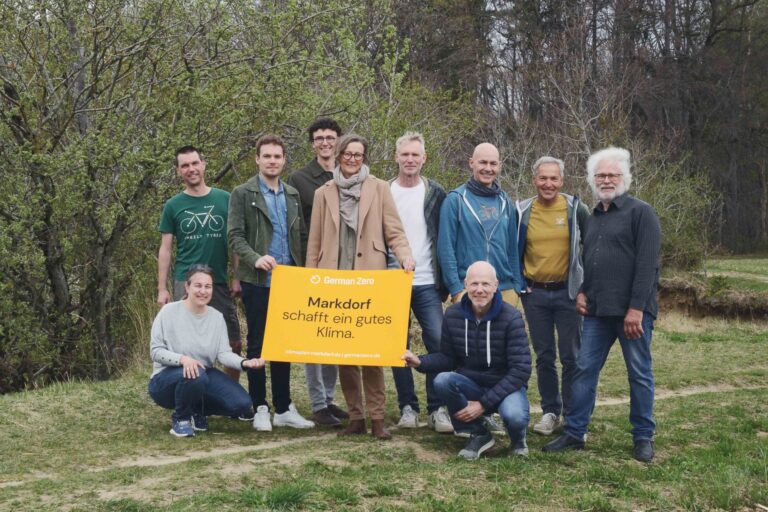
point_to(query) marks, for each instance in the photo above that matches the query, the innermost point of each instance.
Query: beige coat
(378, 227)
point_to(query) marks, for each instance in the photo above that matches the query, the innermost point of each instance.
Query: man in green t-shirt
(197, 219)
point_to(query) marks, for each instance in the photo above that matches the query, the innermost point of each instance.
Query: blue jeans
(255, 300)
(428, 309)
(211, 393)
(456, 390)
(545, 311)
(596, 341)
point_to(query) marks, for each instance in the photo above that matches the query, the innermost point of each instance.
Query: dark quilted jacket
(510, 358)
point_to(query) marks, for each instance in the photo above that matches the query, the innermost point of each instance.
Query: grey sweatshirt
(178, 332)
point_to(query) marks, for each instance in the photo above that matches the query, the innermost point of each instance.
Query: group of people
(583, 279)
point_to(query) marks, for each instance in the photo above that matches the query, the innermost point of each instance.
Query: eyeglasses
(352, 156)
(200, 267)
(328, 138)
(607, 177)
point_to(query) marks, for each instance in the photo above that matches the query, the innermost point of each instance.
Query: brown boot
(379, 431)
(355, 427)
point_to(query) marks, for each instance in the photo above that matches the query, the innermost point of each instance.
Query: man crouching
(484, 364)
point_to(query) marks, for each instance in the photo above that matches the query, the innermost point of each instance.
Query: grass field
(747, 274)
(105, 446)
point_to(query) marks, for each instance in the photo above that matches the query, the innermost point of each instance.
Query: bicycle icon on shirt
(215, 222)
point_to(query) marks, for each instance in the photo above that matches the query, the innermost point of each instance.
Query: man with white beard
(622, 243)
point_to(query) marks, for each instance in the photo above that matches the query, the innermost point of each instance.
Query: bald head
(481, 268)
(481, 284)
(485, 164)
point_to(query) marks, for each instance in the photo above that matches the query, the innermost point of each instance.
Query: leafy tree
(96, 96)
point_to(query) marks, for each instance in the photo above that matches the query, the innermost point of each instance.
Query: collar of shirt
(617, 201)
(265, 189)
(317, 170)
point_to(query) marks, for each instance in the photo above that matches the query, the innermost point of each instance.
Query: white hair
(548, 160)
(410, 137)
(619, 156)
(480, 264)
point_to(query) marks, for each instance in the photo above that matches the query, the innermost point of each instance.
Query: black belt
(551, 285)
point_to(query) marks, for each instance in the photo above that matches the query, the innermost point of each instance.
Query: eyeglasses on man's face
(607, 177)
(330, 139)
(352, 156)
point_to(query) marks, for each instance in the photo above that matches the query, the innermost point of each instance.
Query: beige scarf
(349, 194)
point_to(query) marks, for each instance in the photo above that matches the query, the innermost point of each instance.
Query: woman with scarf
(354, 221)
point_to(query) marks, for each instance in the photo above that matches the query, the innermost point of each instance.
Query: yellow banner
(354, 317)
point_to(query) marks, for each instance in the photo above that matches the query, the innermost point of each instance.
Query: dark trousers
(547, 311)
(212, 392)
(256, 299)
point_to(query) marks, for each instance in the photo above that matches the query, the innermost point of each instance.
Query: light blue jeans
(597, 338)
(428, 309)
(455, 390)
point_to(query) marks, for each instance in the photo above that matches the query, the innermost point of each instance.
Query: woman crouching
(187, 338)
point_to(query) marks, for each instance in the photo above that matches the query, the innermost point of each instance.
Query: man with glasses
(622, 244)
(321, 378)
(549, 231)
(197, 219)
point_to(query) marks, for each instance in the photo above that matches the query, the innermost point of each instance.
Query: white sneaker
(292, 418)
(261, 419)
(440, 421)
(548, 424)
(408, 418)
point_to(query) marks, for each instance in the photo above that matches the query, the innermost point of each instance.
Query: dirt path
(741, 275)
(166, 460)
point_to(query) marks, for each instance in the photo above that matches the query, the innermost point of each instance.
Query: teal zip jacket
(463, 241)
(250, 231)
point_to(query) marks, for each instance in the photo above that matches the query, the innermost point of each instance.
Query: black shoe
(324, 418)
(478, 443)
(338, 412)
(643, 450)
(564, 442)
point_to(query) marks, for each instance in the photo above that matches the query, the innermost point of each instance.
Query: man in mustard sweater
(549, 244)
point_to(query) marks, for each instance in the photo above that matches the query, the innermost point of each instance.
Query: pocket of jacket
(380, 246)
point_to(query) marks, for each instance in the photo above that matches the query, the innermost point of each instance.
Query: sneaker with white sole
(478, 443)
(547, 425)
(408, 418)
(261, 419)
(292, 418)
(520, 448)
(183, 428)
(440, 421)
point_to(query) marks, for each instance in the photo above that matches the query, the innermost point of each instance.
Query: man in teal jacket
(478, 222)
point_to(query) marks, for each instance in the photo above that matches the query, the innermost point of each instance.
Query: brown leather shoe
(338, 412)
(324, 418)
(355, 427)
(379, 431)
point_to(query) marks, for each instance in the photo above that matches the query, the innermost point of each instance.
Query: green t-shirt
(199, 225)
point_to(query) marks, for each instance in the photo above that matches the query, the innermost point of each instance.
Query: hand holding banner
(338, 316)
